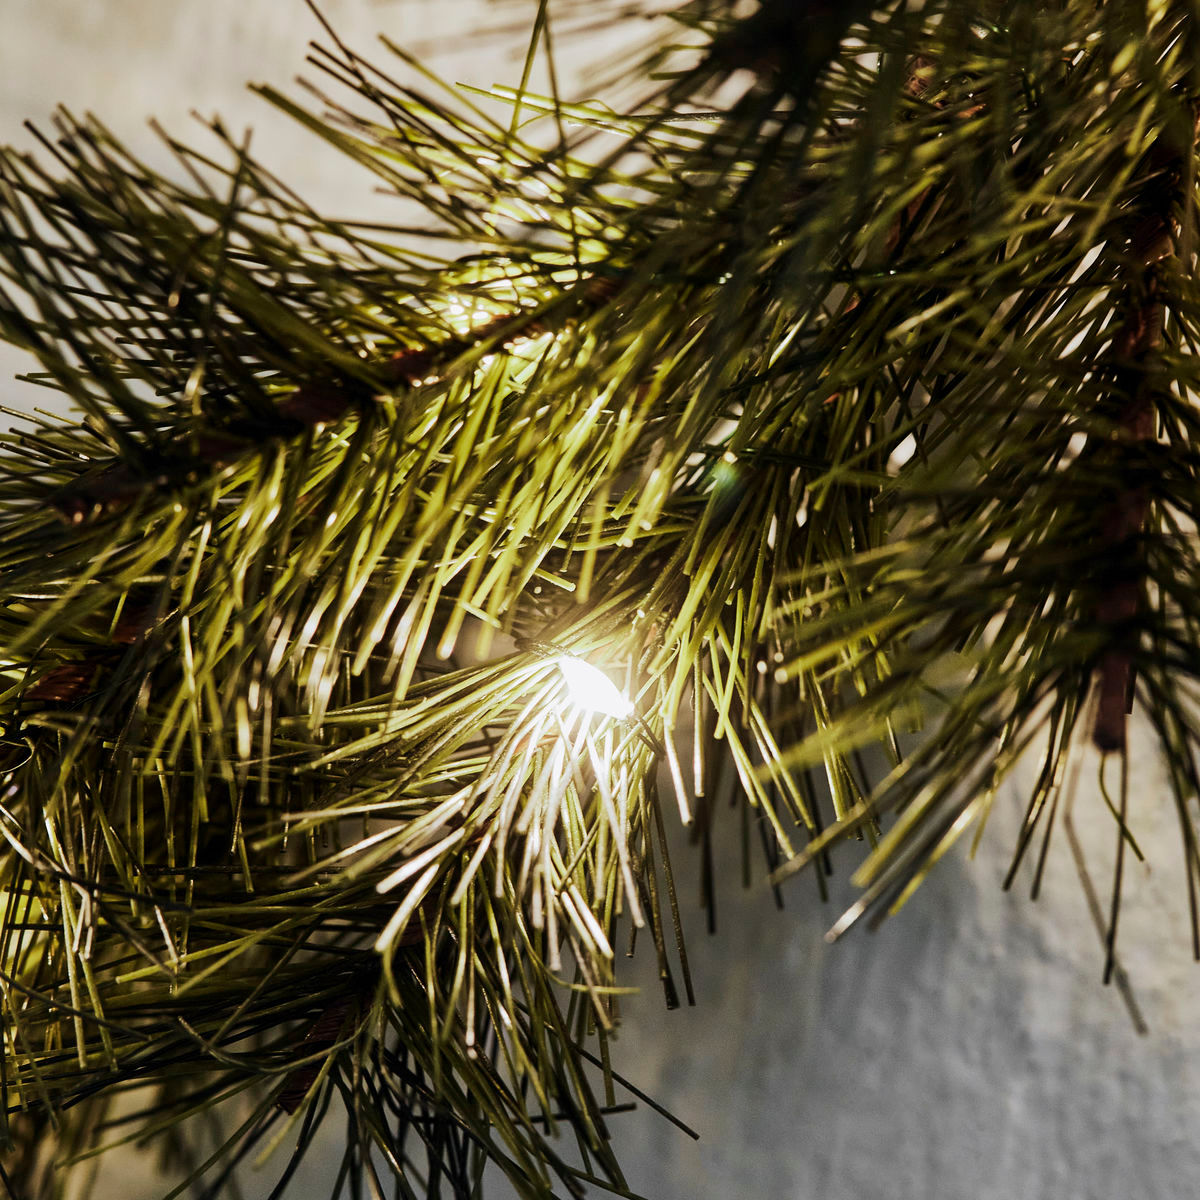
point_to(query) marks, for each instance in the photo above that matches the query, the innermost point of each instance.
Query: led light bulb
(591, 689)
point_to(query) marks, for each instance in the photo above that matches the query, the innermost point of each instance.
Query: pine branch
(850, 427)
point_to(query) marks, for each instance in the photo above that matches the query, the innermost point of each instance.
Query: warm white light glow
(591, 689)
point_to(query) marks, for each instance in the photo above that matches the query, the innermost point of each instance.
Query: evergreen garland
(849, 429)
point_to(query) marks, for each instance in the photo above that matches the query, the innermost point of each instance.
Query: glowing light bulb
(591, 689)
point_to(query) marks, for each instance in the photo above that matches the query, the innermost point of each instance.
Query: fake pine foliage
(842, 415)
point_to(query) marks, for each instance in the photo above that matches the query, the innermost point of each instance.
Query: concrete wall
(965, 1052)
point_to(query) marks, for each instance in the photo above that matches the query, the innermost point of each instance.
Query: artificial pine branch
(849, 429)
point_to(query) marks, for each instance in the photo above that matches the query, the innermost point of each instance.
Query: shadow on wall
(965, 1049)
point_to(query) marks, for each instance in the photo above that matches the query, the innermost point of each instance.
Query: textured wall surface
(964, 1052)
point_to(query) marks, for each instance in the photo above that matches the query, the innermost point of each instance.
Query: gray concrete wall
(965, 1052)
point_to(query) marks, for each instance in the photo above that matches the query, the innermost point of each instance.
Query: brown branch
(1154, 231)
(321, 1036)
(111, 487)
(63, 684)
